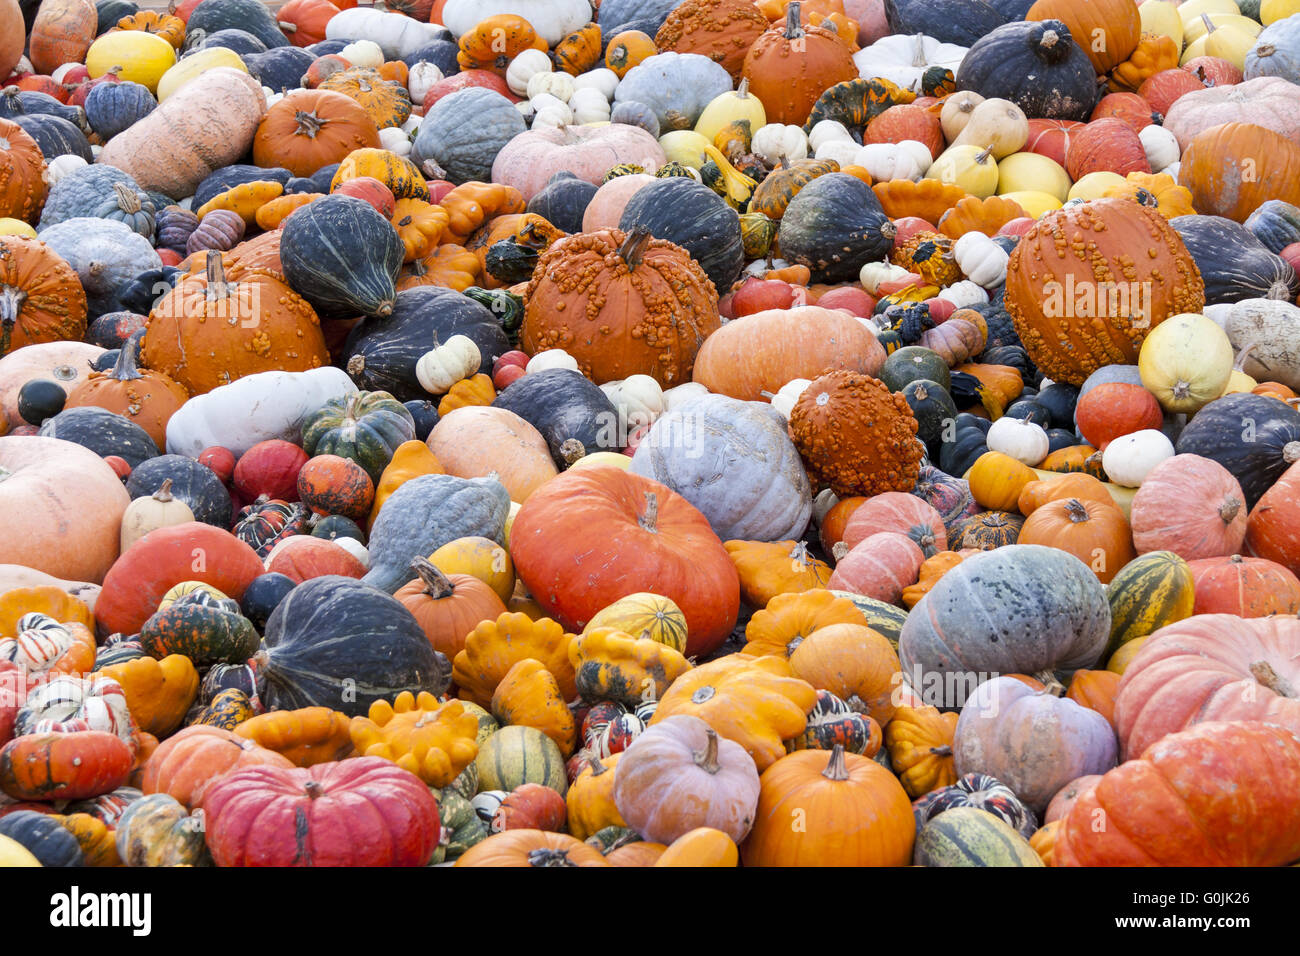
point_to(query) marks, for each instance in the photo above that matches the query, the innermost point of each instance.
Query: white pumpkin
(552, 117)
(1185, 362)
(61, 166)
(254, 408)
(546, 101)
(777, 141)
(551, 358)
(1160, 146)
(396, 34)
(980, 259)
(559, 85)
(639, 400)
(1128, 459)
(603, 80)
(1267, 332)
(589, 105)
(908, 159)
(1023, 440)
(842, 151)
(827, 130)
(524, 67)
(552, 19)
(159, 510)
(873, 274)
(784, 400)
(679, 395)
(421, 79)
(903, 59)
(822, 504)
(363, 53)
(444, 365)
(395, 140)
(964, 294)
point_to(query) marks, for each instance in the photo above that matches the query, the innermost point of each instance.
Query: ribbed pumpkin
(789, 66)
(1191, 506)
(448, 607)
(208, 331)
(1095, 532)
(1094, 305)
(387, 104)
(22, 184)
(621, 304)
(898, 511)
(1273, 530)
(1108, 30)
(308, 129)
(880, 566)
(919, 740)
(1235, 168)
(41, 297)
(1246, 587)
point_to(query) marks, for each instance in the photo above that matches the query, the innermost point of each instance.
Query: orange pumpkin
(448, 607)
(789, 67)
(22, 179)
(41, 298)
(1095, 532)
(308, 129)
(722, 30)
(149, 398)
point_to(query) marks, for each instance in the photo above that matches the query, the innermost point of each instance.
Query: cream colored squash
(1030, 172)
(956, 113)
(195, 65)
(725, 108)
(1033, 202)
(1266, 334)
(998, 125)
(1094, 185)
(1161, 17)
(1128, 459)
(159, 510)
(1185, 362)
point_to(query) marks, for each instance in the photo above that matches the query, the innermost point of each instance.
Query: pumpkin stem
(309, 124)
(314, 789)
(217, 288)
(1263, 672)
(286, 26)
(1240, 364)
(127, 200)
(650, 517)
(1049, 39)
(1291, 451)
(707, 759)
(1230, 508)
(597, 768)
(164, 494)
(839, 550)
(1050, 684)
(742, 91)
(630, 250)
(11, 303)
(432, 170)
(571, 450)
(436, 584)
(356, 365)
(1076, 511)
(835, 769)
(125, 368)
(793, 29)
(943, 751)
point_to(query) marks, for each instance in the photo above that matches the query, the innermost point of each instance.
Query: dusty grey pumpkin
(461, 135)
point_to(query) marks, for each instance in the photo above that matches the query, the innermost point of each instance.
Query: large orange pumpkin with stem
(531, 848)
(448, 607)
(1095, 532)
(309, 129)
(621, 304)
(1107, 30)
(1219, 794)
(851, 811)
(622, 534)
(45, 481)
(1234, 168)
(22, 168)
(1247, 587)
(149, 397)
(41, 298)
(209, 331)
(790, 66)
(723, 31)
(1084, 254)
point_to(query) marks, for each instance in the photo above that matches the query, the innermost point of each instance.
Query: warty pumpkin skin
(621, 304)
(724, 32)
(1077, 312)
(149, 398)
(1219, 794)
(788, 67)
(854, 813)
(41, 298)
(22, 165)
(626, 534)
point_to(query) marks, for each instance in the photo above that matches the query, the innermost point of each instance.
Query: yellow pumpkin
(135, 56)
(1030, 172)
(16, 227)
(1034, 203)
(244, 200)
(195, 65)
(1095, 185)
(481, 558)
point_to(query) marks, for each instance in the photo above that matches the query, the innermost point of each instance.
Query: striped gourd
(882, 617)
(1149, 592)
(645, 614)
(516, 755)
(967, 836)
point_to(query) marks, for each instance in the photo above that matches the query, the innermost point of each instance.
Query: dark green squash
(279, 69)
(251, 16)
(103, 432)
(506, 307)
(1233, 262)
(425, 415)
(1059, 399)
(1011, 355)
(969, 441)
(55, 136)
(950, 21)
(1064, 83)
(1028, 410)
(382, 350)
(365, 427)
(191, 482)
(574, 416)
(240, 42)
(934, 411)
(915, 362)
(206, 630)
(510, 262)
(142, 292)
(336, 526)
(460, 135)
(694, 217)
(44, 837)
(110, 11)
(39, 399)
(1255, 437)
(969, 836)
(113, 107)
(563, 201)
(834, 226)
(1058, 438)
(221, 677)
(855, 103)
(342, 256)
(262, 596)
(338, 643)
(1276, 223)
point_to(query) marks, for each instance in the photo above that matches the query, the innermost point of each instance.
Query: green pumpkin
(517, 755)
(510, 262)
(912, 363)
(883, 618)
(506, 307)
(609, 839)
(933, 409)
(157, 830)
(206, 630)
(461, 826)
(365, 427)
(968, 836)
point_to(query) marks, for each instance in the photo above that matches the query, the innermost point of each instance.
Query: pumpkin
(62, 33)
(330, 484)
(448, 607)
(879, 567)
(1252, 436)
(1150, 592)
(853, 813)
(529, 695)
(620, 303)
(1247, 587)
(681, 774)
(149, 398)
(788, 619)
(366, 427)
(638, 516)
(1192, 821)
(410, 460)
(158, 692)
(967, 836)
(1095, 690)
(41, 483)
(1085, 487)
(835, 225)
(1233, 168)
(315, 252)
(788, 67)
(157, 830)
(493, 647)
(854, 663)
(245, 810)
(386, 103)
(434, 741)
(1115, 409)
(1189, 505)
(1044, 48)
(518, 754)
(1070, 330)
(919, 740)
(22, 186)
(1093, 531)
(41, 299)
(531, 848)
(64, 766)
(1269, 532)
(310, 129)
(1112, 30)
(96, 839)
(997, 480)
(769, 569)
(307, 736)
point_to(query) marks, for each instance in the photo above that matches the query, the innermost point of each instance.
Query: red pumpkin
(1129, 107)
(64, 766)
(362, 811)
(1209, 667)
(1116, 409)
(1213, 70)
(1220, 794)
(1247, 587)
(850, 299)
(1109, 144)
(221, 461)
(531, 807)
(903, 122)
(1163, 88)
(165, 557)
(759, 295)
(304, 21)
(1273, 529)
(372, 191)
(880, 567)
(620, 534)
(303, 557)
(1051, 138)
(270, 468)
(464, 80)
(898, 511)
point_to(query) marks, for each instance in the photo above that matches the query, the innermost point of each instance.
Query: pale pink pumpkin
(1189, 505)
(529, 160)
(898, 511)
(879, 567)
(606, 207)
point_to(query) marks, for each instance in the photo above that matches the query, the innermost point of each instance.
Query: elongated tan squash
(206, 124)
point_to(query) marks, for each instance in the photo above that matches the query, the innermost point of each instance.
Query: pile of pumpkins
(763, 432)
